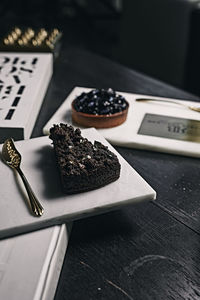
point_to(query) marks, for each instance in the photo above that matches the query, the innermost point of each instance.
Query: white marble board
(38, 164)
(126, 135)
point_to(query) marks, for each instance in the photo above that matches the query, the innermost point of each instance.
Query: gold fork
(194, 108)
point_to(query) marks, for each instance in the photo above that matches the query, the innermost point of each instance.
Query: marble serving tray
(38, 164)
(157, 126)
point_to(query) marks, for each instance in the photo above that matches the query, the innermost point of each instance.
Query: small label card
(24, 78)
(170, 127)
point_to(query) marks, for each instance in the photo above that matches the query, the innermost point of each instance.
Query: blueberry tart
(99, 108)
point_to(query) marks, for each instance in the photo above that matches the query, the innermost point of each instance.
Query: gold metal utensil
(13, 158)
(194, 108)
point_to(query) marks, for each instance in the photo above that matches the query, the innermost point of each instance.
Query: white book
(30, 264)
(24, 78)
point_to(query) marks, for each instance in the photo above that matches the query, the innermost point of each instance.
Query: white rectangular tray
(30, 264)
(38, 164)
(127, 134)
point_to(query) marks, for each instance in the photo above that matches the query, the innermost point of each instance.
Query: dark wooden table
(148, 251)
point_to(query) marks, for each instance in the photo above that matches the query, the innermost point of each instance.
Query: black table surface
(148, 251)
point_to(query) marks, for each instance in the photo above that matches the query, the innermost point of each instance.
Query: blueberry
(92, 93)
(111, 99)
(82, 100)
(110, 91)
(94, 97)
(106, 103)
(97, 100)
(105, 111)
(100, 101)
(81, 96)
(111, 109)
(96, 91)
(91, 104)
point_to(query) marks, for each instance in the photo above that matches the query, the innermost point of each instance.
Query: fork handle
(36, 207)
(160, 100)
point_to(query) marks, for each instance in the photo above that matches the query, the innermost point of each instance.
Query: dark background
(158, 38)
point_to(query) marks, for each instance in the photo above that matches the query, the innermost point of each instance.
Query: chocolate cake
(83, 166)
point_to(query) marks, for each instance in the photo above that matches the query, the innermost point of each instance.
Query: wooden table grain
(148, 251)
